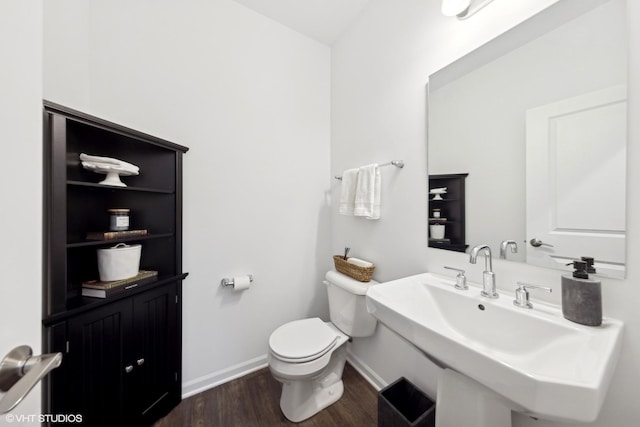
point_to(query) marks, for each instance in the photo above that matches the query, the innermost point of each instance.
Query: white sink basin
(542, 363)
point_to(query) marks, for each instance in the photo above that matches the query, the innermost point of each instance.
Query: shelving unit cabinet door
(156, 361)
(58, 380)
(95, 364)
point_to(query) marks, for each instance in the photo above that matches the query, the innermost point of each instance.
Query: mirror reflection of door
(576, 180)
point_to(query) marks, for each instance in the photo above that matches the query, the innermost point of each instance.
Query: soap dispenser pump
(581, 296)
(589, 260)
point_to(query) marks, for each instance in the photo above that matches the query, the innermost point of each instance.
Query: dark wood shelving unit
(122, 354)
(452, 208)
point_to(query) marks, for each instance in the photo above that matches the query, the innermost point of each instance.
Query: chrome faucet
(504, 245)
(488, 276)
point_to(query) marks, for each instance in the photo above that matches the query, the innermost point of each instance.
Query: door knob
(128, 369)
(140, 362)
(536, 243)
(20, 370)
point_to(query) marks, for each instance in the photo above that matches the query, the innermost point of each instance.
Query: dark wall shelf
(131, 383)
(452, 208)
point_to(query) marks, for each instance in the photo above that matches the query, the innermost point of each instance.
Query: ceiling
(322, 20)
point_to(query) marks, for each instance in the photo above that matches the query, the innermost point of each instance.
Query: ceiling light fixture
(463, 9)
(455, 7)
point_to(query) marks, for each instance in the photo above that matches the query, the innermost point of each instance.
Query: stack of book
(97, 289)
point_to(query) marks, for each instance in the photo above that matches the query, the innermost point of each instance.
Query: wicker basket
(362, 274)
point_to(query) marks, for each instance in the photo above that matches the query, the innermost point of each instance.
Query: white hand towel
(111, 167)
(367, 202)
(98, 159)
(87, 158)
(348, 191)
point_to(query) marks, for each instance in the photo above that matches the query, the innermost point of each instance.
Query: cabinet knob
(140, 362)
(128, 369)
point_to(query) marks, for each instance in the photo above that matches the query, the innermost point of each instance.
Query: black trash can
(402, 404)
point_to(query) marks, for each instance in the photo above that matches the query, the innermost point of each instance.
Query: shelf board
(443, 200)
(458, 247)
(109, 187)
(84, 243)
(80, 304)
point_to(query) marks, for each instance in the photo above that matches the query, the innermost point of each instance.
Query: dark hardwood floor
(254, 400)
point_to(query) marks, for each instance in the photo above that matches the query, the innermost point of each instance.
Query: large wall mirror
(536, 119)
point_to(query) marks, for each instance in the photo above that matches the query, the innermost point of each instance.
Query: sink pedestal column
(462, 401)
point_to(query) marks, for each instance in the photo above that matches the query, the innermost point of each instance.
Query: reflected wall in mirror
(537, 119)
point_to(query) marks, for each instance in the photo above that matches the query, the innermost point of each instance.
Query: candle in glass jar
(118, 219)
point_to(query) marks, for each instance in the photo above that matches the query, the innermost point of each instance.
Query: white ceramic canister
(119, 262)
(437, 231)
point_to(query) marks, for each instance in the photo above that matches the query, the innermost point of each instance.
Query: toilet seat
(302, 341)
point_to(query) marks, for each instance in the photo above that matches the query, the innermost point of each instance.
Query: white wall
(66, 51)
(378, 106)
(251, 100)
(21, 188)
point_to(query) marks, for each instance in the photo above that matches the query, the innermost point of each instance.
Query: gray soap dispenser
(581, 296)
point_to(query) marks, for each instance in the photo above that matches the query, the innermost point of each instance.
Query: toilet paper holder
(230, 281)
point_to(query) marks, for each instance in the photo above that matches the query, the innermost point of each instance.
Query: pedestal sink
(539, 362)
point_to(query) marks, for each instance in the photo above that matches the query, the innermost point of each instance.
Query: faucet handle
(522, 294)
(461, 279)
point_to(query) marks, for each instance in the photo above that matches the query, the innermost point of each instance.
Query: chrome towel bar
(397, 163)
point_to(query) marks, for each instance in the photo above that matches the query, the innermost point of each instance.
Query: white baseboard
(367, 373)
(215, 379)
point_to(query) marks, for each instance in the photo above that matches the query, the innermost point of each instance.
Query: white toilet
(307, 356)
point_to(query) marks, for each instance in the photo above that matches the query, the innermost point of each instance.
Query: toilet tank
(347, 307)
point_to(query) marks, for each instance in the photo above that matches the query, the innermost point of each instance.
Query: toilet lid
(302, 340)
